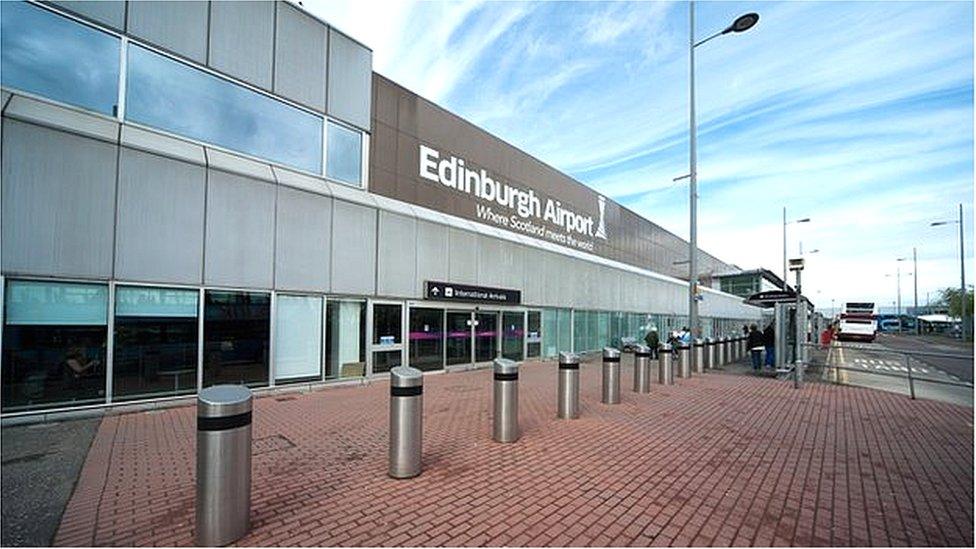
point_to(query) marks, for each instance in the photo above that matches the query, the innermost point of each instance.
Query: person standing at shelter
(769, 341)
(756, 344)
(652, 341)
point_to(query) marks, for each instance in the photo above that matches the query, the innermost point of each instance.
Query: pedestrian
(745, 330)
(769, 341)
(756, 344)
(652, 341)
(685, 335)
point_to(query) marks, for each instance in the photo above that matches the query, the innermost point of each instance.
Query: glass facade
(53, 56)
(344, 159)
(47, 54)
(426, 338)
(155, 347)
(512, 334)
(169, 95)
(54, 344)
(345, 336)
(236, 337)
(387, 336)
(298, 338)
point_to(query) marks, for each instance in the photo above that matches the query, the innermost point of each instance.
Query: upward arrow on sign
(434, 290)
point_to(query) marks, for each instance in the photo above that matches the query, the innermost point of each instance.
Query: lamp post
(741, 24)
(962, 270)
(785, 223)
(915, 281)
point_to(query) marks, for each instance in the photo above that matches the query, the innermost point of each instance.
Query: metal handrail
(908, 365)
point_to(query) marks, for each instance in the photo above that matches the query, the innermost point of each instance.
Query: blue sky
(858, 115)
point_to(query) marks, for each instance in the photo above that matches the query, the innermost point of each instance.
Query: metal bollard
(642, 369)
(684, 361)
(742, 347)
(406, 421)
(726, 350)
(568, 386)
(709, 353)
(665, 373)
(611, 376)
(506, 423)
(223, 504)
(698, 356)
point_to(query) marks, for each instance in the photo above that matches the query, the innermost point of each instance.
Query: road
(880, 365)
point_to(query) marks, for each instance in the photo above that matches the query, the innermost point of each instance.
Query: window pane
(53, 344)
(156, 339)
(298, 337)
(533, 336)
(512, 334)
(169, 95)
(383, 361)
(345, 332)
(235, 330)
(52, 56)
(345, 150)
(426, 338)
(386, 324)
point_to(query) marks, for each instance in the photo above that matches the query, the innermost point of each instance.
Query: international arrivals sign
(515, 208)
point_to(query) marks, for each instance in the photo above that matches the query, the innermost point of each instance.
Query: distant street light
(741, 24)
(804, 220)
(962, 269)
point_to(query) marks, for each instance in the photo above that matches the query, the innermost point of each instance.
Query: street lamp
(962, 269)
(803, 220)
(741, 24)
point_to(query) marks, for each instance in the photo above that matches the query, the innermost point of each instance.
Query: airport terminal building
(224, 192)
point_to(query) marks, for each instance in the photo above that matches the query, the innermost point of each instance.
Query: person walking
(769, 341)
(756, 342)
(653, 341)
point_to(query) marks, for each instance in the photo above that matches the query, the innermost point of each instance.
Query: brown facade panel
(425, 155)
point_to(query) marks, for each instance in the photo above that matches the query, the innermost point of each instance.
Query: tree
(950, 298)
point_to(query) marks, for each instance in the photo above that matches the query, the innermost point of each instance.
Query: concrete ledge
(58, 117)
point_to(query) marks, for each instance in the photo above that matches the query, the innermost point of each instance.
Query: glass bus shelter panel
(426, 339)
(513, 335)
(458, 343)
(486, 337)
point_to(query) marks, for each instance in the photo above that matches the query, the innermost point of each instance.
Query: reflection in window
(386, 324)
(155, 351)
(345, 332)
(427, 338)
(55, 57)
(345, 155)
(236, 329)
(54, 340)
(298, 338)
(169, 95)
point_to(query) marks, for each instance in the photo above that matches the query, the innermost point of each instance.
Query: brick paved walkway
(716, 460)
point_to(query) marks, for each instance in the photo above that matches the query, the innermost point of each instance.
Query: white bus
(859, 321)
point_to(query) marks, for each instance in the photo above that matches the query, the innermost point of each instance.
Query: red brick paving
(715, 460)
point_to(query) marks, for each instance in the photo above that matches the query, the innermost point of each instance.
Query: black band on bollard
(223, 423)
(569, 366)
(611, 359)
(638, 354)
(506, 377)
(407, 391)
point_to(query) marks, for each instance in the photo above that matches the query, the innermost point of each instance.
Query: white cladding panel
(58, 199)
(159, 234)
(396, 261)
(353, 248)
(240, 231)
(432, 253)
(303, 240)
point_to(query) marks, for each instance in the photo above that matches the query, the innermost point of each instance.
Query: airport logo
(575, 229)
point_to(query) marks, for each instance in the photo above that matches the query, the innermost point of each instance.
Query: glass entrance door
(513, 324)
(485, 336)
(459, 334)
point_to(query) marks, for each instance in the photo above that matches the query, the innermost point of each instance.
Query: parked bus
(858, 321)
